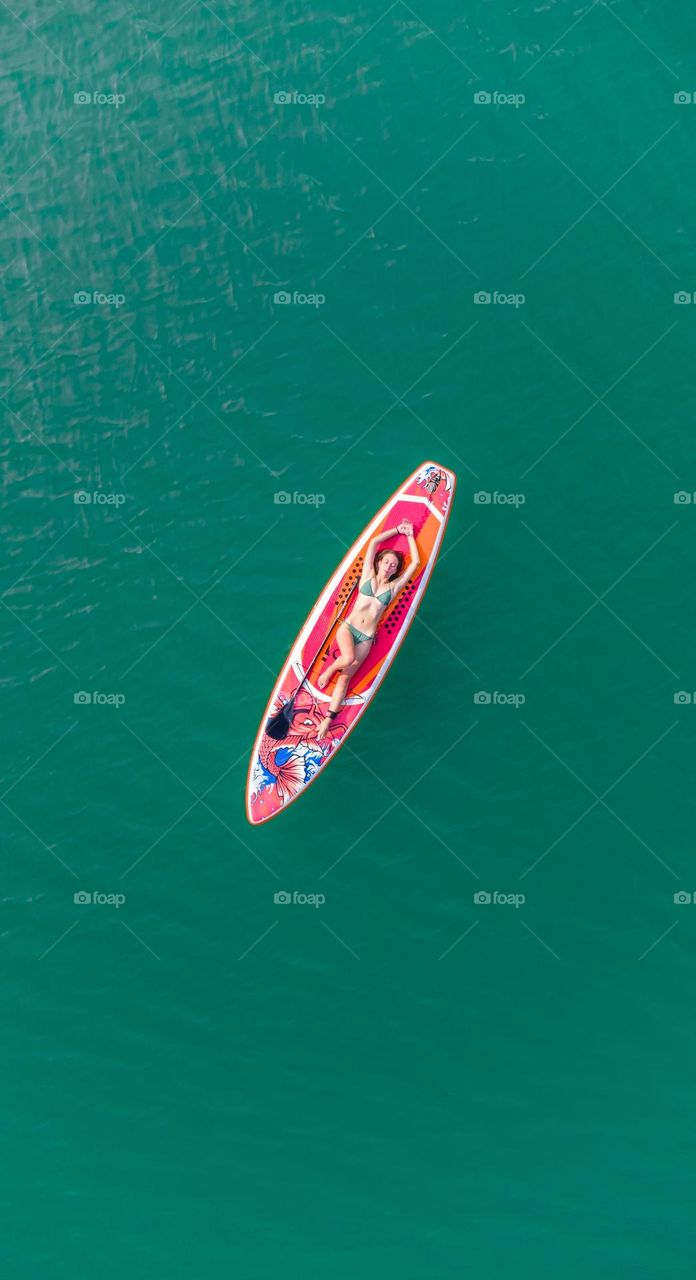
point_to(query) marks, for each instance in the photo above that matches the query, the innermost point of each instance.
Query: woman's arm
(413, 566)
(414, 554)
(369, 565)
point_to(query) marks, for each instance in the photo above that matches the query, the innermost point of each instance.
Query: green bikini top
(384, 597)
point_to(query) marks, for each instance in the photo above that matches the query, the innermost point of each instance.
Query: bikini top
(384, 597)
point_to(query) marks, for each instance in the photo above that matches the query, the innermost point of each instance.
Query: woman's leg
(346, 644)
(361, 651)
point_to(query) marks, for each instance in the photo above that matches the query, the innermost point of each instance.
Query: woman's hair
(388, 552)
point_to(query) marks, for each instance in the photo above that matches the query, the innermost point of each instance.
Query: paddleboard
(280, 772)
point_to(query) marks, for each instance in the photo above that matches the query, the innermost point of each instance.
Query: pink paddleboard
(280, 772)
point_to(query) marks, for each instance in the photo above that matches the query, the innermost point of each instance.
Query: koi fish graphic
(432, 477)
(289, 764)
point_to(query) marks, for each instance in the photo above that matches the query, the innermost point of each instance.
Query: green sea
(260, 261)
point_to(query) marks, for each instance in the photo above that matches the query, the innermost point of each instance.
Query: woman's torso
(368, 609)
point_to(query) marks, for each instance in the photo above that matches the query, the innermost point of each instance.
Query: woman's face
(388, 565)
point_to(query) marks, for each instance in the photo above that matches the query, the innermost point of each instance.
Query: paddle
(277, 725)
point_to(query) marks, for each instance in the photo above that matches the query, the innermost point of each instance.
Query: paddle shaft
(285, 711)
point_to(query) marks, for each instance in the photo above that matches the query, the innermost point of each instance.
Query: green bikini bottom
(359, 636)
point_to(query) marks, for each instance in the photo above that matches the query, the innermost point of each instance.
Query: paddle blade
(277, 725)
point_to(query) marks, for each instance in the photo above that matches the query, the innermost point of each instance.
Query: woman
(383, 577)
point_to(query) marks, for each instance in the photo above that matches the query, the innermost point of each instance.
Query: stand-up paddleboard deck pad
(279, 772)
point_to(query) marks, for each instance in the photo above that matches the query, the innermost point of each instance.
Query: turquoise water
(400, 1080)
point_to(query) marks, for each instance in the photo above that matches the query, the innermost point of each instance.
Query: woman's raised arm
(369, 565)
(414, 563)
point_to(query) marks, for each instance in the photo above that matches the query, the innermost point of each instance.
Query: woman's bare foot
(323, 680)
(324, 727)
